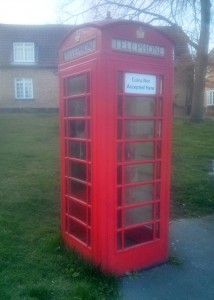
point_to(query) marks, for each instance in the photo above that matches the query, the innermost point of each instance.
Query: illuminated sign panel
(80, 50)
(137, 47)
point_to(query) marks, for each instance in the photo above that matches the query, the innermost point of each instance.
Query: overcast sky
(28, 11)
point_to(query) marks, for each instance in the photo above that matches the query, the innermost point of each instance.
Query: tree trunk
(197, 111)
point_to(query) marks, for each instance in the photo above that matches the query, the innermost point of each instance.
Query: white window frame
(23, 52)
(23, 88)
(210, 98)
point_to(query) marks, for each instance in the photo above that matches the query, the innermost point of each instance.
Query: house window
(23, 88)
(210, 98)
(23, 53)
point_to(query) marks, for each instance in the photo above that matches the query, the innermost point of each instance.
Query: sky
(28, 11)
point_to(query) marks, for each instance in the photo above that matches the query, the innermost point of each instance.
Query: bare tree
(193, 16)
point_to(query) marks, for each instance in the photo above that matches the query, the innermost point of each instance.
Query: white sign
(80, 50)
(137, 47)
(140, 84)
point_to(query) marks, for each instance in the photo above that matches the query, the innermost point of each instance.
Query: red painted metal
(115, 145)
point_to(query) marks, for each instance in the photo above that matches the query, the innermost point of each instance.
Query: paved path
(192, 243)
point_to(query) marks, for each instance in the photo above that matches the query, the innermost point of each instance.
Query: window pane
(23, 52)
(139, 106)
(77, 230)
(77, 210)
(77, 85)
(24, 88)
(139, 151)
(78, 190)
(76, 107)
(138, 173)
(139, 129)
(77, 170)
(140, 193)
(120, 82)
(138, 235)
(77, 149)
(138, 215)
(77, 128)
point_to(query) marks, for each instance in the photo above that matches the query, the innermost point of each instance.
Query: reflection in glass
(78, 190)
(158, 170)
(77, 170)
(135, 129)
(157, 210)
(119, 129)
(120, 82)
(119, 240)
(119, 219)
(139, 151)
(138, 173)
(119, 196)
(157, 230)
(78, 230)
(159, 129)
(139, 106)
(119, 152)
(158, 150)
(77, 128)
(120, 106)
(119, 175)
(77, 210)
(76, 107)
(158, 191)
(77, 85)
(139, 235)
(77, 149)
(138, 215)
(159, 111)
(140, 193)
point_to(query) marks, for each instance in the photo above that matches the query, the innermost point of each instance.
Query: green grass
(193, 149)
(34, 264)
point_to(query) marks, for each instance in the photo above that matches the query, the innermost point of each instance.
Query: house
(209, 90)
(28, 66)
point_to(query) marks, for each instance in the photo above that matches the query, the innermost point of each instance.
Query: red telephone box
(116, 81)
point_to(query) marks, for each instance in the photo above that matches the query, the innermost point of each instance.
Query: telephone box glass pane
(78, 190)
(76, 107)
(77, 149)
(139, 235)
(138, 215)
(140, 193)
(77, 210)
(77, 85)
(78, 230)
(135, 129)
(139, 106)
(77, 170)
(139, 151)
(77, 128)
(137, 173)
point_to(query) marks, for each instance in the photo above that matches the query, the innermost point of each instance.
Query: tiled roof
(46, 38)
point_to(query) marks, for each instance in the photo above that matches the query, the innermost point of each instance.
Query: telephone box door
(142, 164)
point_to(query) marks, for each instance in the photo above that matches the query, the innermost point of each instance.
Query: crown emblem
(140, 33)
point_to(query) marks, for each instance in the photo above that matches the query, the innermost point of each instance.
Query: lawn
(33, 262)
(192, 189)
